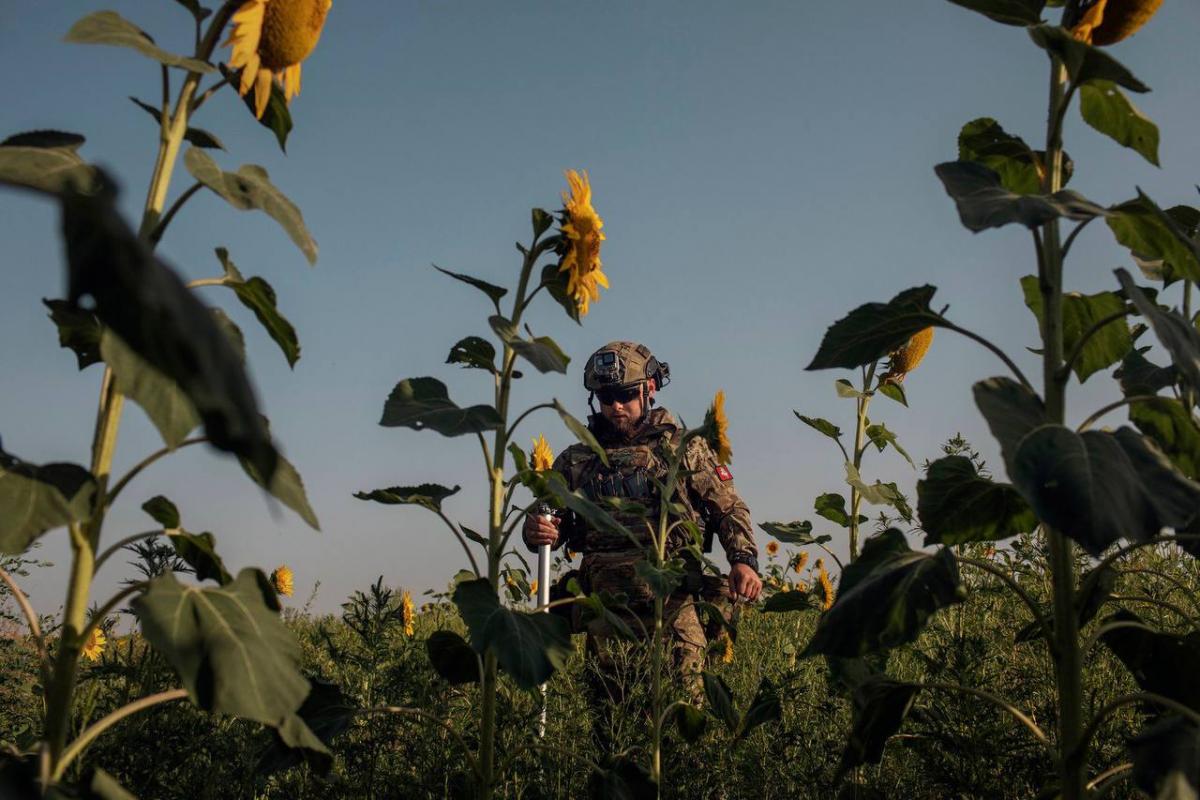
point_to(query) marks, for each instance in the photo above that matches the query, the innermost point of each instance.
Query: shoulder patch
(723, 473)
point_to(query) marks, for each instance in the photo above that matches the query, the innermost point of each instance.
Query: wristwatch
(743, 557)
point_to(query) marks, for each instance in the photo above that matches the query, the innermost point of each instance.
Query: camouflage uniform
(705, 490)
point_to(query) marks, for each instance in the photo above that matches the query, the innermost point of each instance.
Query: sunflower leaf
(46, 161)
(720, 700)
(277, 117)
(35, 499)
(871, 331)
(1008, 12)
(287, 487)
(197, 136)
(1151, 233)
(542, 352)
(1018, 165)
(1166, 758)
(199, 550)
(1106, 108)
(78, 330)
(880, 707)
(452, 658)
(983, 201)
(793, 532)
(1173, 429)
(251, 188)
(421, 403)
(1011, 412)
(325, 714)
(473, 352)
(164, 402)
(1162, 663)
(1080, 312)
(581, 432)
(881, 437)
(1175, 332)
(109, 27)
(1138, 375)
(821, 425)
(958, 505)
(494, 292)
(556, 283)
(258, 296)
(1084, 63)
(427, 495)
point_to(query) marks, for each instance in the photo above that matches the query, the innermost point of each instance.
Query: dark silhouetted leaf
(832, 506)
(983, 202)
(541, 221)
(957, 505)
(556, 283)
(1084, 63)
(1138, 376)
(1106, 108)
(109, 27)
(162, 511)
(1095, 589)
(199, 551)
(1166, 758)
(1163, 663)
(793, 532)
(622, 778)
(581, 432)
(1173, 330)
(872, 331)
(1080, 312)
(1011, 411)
(1097, 487)
(782, 602)
(287, 487)
(881, 437)
(327, 713)
(36, 499)
(276, 117)
(880, 706)
(690, 722)
(885, 597)
(1151, 233)
(491, 290)
(78, 330)
(1009, 12)
(421, 403)
(258, 296)
(197, 136)
(542, 352)
(427, 495)
(452, 657)
(474, 352)
(529, 647)
(720, 701)
(662, 581)
(164, 402)
(763, 708)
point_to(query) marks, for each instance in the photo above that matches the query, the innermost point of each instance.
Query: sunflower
(282, 580)
(542, 456)
(718, 429)
(905, 359)
(95, 645)
(801, 560)
(772, 548)
(269, 40)
(825, 584)
(406, 612)
(582, 230)
(1105, 22)
(533, 588)
(727, 654)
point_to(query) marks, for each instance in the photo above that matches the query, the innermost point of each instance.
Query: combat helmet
(624, 365)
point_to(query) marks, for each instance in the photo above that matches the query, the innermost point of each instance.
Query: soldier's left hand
(744, 583)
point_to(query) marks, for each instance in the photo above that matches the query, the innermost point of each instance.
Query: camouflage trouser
(618, 674)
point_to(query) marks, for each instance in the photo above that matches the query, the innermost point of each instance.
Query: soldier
(638, 440)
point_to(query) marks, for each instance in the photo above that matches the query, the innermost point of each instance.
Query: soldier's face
(623, 415)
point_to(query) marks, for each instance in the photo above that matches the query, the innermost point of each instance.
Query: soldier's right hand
(540, 529)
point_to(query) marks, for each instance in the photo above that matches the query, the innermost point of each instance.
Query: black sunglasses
(609, 396)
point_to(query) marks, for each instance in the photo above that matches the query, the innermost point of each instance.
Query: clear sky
(762, 168)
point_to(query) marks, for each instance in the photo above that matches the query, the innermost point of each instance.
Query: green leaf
(581, 432)
(622, 778)
(1175, 332)
(1138, 376)
(663, 581)
(893, 391)
(109, 27)
(103, 786)
(541, 221)
(325, 714)
(427, 495)
(277, 117)
(690, 722)
(199, 551)
(1080, 312)
(146, 305)
(1173, 429)
(958, 505)
(832, 506)
(1008, 12)
(872, 331)
(473, 352)
(1097, 487)
(845, 389)
(1151, 233)
(1019, 167)
(46, 161)
(763, 708)
(1084, 63)
(1106, 108)
(878, 493)
(229, 645)
(452, 658)
(793, 532)
(603, 607)
(529, 647)
(491, 290)
(552, 486)
(1011, 411)
(164, 402)
(421, 403)
(556, 283)
(983, 202)
(258, 296)
(783, 602)
(822, 425)
(885, 597)
(35, 499)
(197, 136)
(1166, 758)
(251, 188)
(720, 700)
(1163, 663)
(287, 487)
(162, 511)
(78, 330)
(880, 707)
(881, 437)
(542, 351)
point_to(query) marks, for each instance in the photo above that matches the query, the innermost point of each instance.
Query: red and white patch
(723, 473)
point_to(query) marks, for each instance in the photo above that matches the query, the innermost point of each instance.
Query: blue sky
(762, 168)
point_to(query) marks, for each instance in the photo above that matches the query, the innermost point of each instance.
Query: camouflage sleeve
(715, 498)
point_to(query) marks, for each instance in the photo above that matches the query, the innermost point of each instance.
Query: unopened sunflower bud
(905, 359)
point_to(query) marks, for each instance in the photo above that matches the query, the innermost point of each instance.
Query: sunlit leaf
(1175, 332)
(452, 658)
(880, 707)
(427, 495)
(832, 506)
(958, 505)
(1080, 312)
(1106, 108)
(109, 27)
(983, 202)
(421, 403)
(893, 391)
(35, 499)
(872, 331)
(885, 597)
(251, 188)
(1084, 63)
(1019, 166)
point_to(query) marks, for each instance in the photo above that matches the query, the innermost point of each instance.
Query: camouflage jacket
(705, 489)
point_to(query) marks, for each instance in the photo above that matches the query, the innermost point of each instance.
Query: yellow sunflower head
(533, 588)
(772, 548)
(727, 654)
(95, 645)
(283, 580)
(542, 456)
(407, 612)
(582, 231)
(905, 359)
(269, 40)
(1105, 22)
(826, 586)
(801, 560)
(717, 433)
